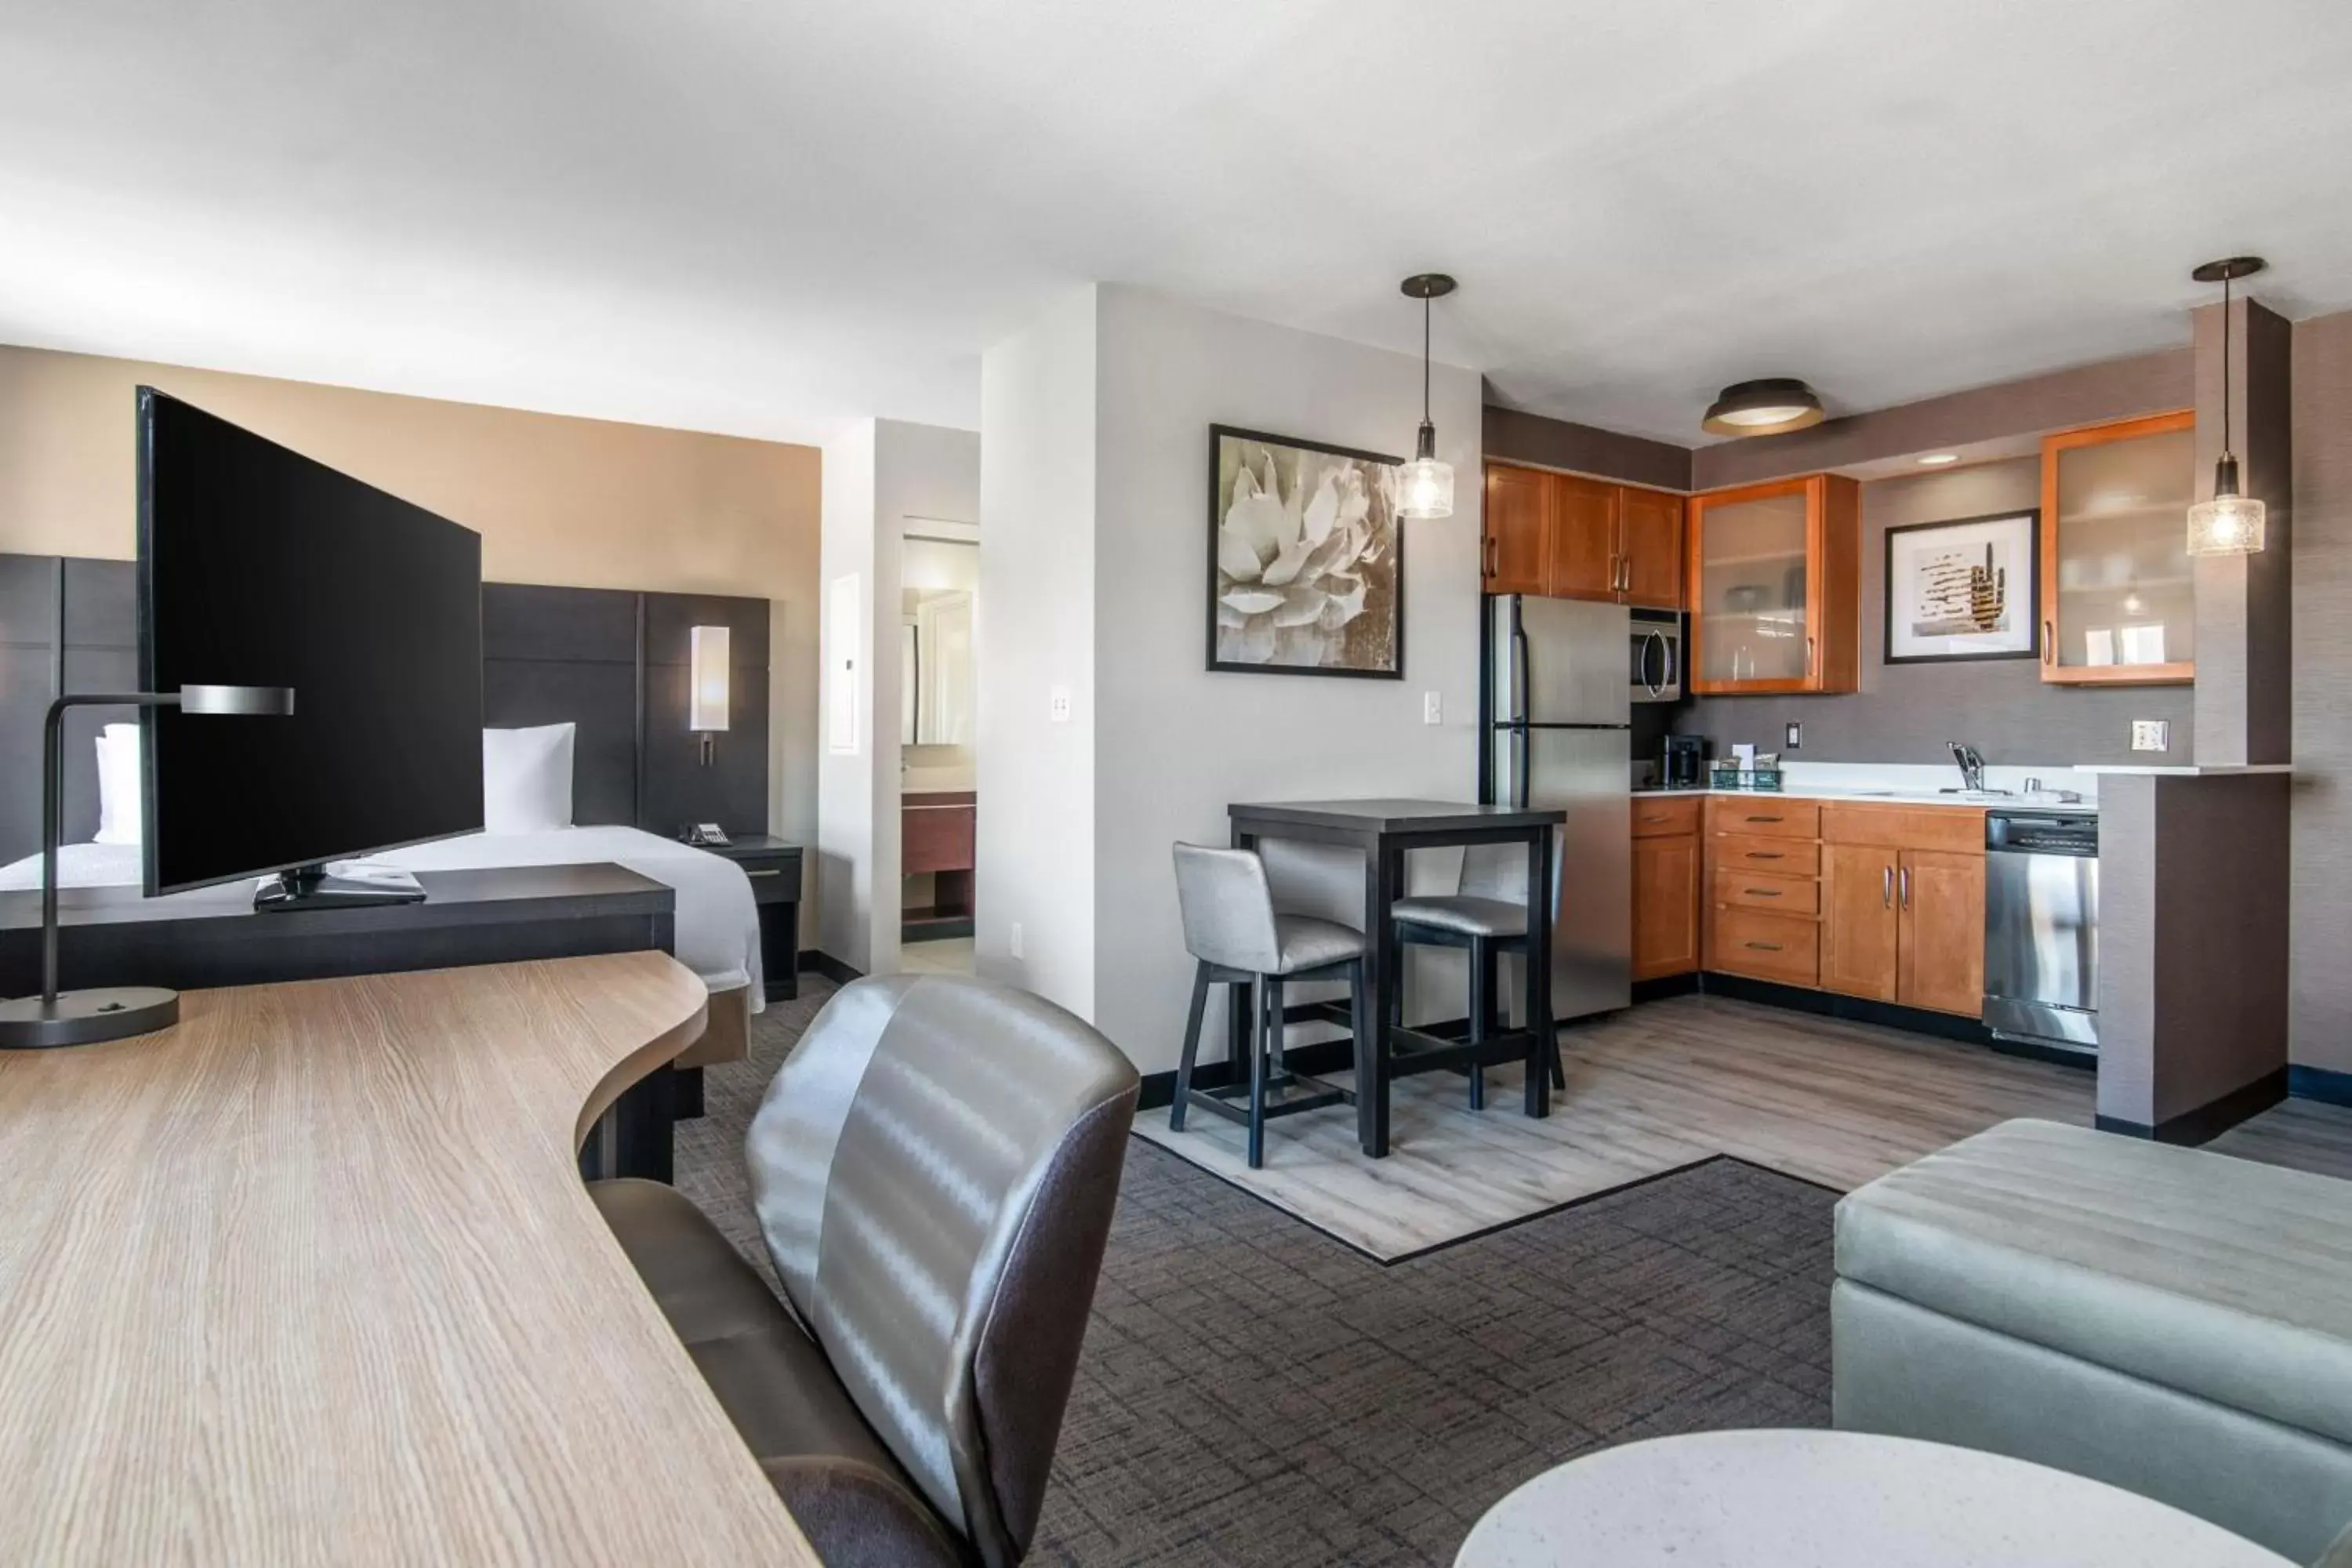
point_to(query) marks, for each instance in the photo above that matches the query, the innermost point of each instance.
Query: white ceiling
(770, 218)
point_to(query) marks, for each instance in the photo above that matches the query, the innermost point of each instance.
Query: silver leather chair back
(1495, 871)
(934, 1171)
(1228, 909)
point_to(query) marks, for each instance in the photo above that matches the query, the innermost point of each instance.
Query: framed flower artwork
(1306, 558)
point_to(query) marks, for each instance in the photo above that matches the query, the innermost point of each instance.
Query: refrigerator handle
(1520, 675)
(1520, 750)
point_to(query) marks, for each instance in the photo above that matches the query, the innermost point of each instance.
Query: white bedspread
(718, 922)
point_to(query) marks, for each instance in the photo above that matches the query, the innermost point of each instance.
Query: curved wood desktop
(312, 1277)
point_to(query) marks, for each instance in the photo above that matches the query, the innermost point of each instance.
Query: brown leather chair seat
(854, 1501)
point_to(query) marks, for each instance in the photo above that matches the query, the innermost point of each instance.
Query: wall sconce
(705, 698)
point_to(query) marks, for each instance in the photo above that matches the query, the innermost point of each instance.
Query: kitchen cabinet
(1667, 880)
(1903, 905)
(1517, 544)
(1774, 584)
(2118, 600)
(1563, 536)
(1762, 857)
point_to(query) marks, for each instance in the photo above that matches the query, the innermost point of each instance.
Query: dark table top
(1396, 815)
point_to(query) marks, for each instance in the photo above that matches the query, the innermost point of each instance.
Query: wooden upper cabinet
(1775, 587)
(1649, 541)
(1517, 544)
(1584, 558)
(1567, 537)
(1942, 895)
(2118, 605)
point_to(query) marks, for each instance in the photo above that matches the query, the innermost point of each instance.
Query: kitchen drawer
(1765, 818)
(1664, 818)
(936, 838)
(1762, 891)
(1782, 947)
(1784, 856)
(1958, 828)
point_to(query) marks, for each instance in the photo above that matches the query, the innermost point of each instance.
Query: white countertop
(1882, 797)
(2223, 771)
(1920, 783)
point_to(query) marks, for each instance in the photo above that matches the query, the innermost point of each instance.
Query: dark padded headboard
(610, 661)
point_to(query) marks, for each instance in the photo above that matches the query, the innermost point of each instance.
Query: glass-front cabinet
(2118, 600)
(1774, 585)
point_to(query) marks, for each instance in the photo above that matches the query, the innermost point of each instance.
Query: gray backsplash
(1905, 713)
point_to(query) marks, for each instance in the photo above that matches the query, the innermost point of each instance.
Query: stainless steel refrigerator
(1561, 709)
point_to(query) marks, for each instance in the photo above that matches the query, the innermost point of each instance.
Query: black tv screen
(260, 567)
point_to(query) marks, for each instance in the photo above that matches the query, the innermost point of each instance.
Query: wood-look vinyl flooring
(1657, 1086)
(2301, 1134)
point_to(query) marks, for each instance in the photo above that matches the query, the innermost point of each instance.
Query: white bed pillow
(526, 779)
(118, 785)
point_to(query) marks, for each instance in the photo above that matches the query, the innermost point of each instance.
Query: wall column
(2245, 605)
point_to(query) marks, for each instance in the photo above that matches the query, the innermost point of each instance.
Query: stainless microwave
(1657, 657)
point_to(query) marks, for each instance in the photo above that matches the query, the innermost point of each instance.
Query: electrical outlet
(1794, 736)
(2151, 735)
(1432, 712)
(1057, 705)
(1013, 940)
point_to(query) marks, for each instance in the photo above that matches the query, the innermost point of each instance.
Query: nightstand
(774, 866)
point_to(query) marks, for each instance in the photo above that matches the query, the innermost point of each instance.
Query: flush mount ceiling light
(1938, 459)
(1426, 488)
(2230, 523)
(1765, 407)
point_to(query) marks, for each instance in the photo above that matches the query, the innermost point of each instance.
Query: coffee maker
(1684, 765)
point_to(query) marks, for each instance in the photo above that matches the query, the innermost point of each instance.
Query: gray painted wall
(2322, 867)
(1905, 714)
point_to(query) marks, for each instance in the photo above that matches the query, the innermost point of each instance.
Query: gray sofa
(2172, 1322)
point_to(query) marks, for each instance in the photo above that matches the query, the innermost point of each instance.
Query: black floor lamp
(84, 1017)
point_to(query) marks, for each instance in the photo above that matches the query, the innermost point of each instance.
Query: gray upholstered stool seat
(1463, 914)
(2172, 1322)
(1303, 942)
(1237, 938)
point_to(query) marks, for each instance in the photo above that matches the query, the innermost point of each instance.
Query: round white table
(1834, 1500)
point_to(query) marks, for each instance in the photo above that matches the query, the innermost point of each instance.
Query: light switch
(1793, 736)
(2151, 735)
(1431, 712)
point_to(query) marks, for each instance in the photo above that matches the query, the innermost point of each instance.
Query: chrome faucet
(1971, 766)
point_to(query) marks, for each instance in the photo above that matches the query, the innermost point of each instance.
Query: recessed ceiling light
(1938, 459)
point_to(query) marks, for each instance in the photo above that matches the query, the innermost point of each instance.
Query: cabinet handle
(1886, 888)
(2049, 642)
(1613, 559)
(1906, 879)
(768, 873)
(1810, 664)
(1766, 855)
(1765, 819)
(1761, 892)
(1657, 820)
(1763, 946)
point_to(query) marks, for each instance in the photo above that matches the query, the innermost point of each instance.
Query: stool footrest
(1412, 1051)
(1231, 1101)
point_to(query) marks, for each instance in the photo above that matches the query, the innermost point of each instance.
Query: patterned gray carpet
(1254, 1393)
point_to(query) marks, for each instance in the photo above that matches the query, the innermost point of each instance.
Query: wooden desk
(1385, 831)
(312, 1278)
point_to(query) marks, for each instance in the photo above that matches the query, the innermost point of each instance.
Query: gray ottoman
(2171, 1321)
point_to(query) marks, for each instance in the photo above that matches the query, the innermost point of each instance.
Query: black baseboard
(2209, 1121)
(1665, 985)
(813, 962)
(2322, 1084)
(1853, 1009)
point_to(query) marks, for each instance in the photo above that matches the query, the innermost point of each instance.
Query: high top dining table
(1384, 832)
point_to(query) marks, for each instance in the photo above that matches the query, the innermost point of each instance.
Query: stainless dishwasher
(2041, 928)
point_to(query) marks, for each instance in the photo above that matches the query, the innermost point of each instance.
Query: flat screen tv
(258, 566)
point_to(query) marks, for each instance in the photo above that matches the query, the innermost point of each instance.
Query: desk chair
(1487, 914)
(1236, 938)
(934, 1170)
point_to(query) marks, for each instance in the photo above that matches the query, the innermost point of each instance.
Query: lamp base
(86, 1017)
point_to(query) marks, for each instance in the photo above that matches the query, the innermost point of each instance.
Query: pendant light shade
(1425, 487)
(1765, 407)
(2230, 523)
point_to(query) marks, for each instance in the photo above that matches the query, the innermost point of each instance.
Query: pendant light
(2230, 523)
(1427, 485)
(1765, 407)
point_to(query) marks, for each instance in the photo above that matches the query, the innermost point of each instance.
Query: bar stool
(1236, 938)
(1487, 914)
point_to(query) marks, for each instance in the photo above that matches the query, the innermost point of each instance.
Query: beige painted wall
(577, 502)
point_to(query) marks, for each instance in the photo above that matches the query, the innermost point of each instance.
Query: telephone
(705, 833)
